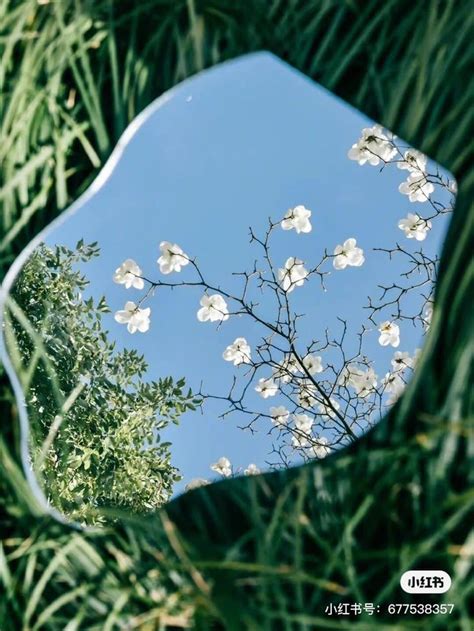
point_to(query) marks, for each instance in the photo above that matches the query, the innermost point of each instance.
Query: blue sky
(230, 148)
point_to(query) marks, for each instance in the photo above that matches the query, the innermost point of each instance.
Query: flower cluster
(376, 146)
(224, 468)
(373, 147)
(129, 274)
(316, 406)
(283, 373)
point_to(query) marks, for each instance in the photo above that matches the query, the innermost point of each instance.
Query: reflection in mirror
(247, 289)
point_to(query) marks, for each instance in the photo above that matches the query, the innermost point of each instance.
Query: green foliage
(263, 553)
(95, 421)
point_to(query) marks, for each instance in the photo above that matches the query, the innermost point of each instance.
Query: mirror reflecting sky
(222, 153)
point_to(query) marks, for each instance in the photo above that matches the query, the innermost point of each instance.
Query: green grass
(271, 552)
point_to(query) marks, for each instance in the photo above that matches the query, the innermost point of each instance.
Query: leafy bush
(95, 421)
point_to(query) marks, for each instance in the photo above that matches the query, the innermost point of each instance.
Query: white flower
(303, 423)
(416, 187)
(329, 410)
(320, 448)
(393, 398)
(286, 368)
(136, 319)
(428, 314)
(453, 187)
(401, 361)
(372, 147)
(266, 388)
(252, 469)
(389, 334)
(313, 364)
(195, 484)
(223, 467)
(128, 274)
(348, 254)
(416, 357)
(393, 384)
(347, 375)
(414, 161)
(299, 441)
(213, 309)
(292, 275)
(279, 415)
(307, 395)
(172, 258)
(363, 382)
(290, 366)
(415, 227)
(297, 218)
(238, 352)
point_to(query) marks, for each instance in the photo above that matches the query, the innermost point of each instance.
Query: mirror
(246, 286)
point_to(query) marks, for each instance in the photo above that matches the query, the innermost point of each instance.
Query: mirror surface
(246, 287)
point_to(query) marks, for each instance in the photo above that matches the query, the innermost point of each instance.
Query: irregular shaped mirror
(245, 287)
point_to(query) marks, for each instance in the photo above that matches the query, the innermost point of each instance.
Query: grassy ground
(272, 552)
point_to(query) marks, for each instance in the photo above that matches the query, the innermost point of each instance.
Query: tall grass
(268, 552)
